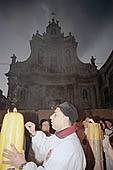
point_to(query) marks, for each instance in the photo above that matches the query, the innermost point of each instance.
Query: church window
(22, 94)
(53, 63)
(84, 94)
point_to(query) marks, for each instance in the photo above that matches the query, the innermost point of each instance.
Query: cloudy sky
(90, 21)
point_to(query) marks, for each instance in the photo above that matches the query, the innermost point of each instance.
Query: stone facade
(106, 83)
(53, 73)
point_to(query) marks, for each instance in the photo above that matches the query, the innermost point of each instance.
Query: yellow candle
(12, 132)
(91, 131)
(97, 131)
(94, 131)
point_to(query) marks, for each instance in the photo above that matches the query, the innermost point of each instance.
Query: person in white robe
(61, 151)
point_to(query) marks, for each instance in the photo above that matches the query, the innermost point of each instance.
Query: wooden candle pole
(12, 132)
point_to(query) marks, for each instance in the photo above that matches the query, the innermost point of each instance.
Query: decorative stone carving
(13, 59)
(93, 60)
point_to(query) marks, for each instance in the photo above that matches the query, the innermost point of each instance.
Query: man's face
(45, 126)
(108, 124)
(58, 120)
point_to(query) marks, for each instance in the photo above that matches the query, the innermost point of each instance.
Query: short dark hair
(69, 110)
(109, 120)
(44, 120)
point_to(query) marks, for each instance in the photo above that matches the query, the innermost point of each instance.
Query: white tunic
(109, 162)
(58, 154)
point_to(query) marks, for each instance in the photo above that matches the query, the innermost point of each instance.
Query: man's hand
(15, 158)
(31, 128)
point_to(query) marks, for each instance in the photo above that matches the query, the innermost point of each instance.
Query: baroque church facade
(53, 73)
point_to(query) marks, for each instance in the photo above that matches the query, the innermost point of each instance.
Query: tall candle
(94, 137)
(97, 131)
(12, 132)
(94, 131)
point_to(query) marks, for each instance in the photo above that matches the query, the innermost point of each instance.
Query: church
(53, 73)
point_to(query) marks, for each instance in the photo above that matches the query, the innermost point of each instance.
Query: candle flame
(91, 120)
(15, 110)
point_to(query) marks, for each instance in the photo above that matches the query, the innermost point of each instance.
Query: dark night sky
(90, 21)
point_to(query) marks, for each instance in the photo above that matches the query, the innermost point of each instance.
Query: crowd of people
(107, 141)
(61, 143)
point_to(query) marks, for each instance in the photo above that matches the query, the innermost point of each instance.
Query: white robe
(64, 154)
(109, 162)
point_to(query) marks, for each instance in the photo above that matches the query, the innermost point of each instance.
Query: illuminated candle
(91, 131)
(97, 131)
(12, 132)
(94, 130)
(94, 137)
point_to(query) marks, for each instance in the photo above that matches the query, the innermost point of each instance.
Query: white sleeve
(32, 166)
(39, 146)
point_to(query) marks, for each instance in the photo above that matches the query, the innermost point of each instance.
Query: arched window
(85, 94)
(23, 94)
